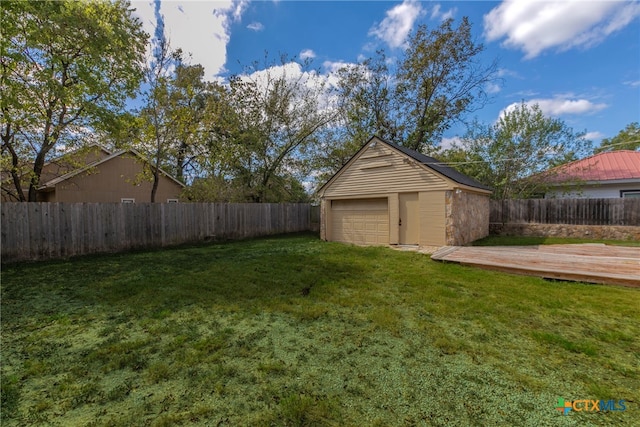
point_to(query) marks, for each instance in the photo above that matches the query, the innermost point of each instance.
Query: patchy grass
(294, 331)
(528, 240)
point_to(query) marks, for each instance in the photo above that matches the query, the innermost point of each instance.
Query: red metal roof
(612, 165)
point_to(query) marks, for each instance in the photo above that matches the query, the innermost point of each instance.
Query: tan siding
(382, 169)
(432, 216)
(394, 215)
(113, 180)
(410, 217)
(71, 162)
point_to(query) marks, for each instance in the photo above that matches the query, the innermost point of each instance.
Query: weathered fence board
(32, 231)
(622, 211)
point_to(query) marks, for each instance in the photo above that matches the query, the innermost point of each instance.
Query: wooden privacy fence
(623, 211)
(33, 231)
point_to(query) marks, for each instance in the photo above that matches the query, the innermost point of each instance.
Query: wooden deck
(592, 263)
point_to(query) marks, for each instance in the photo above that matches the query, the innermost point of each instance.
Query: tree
(626, 139)
(363, 108)
(509, 154)
(67, 68)
(439, 80)
(183, 125)
(155, 122)
(281, 110)
(436, 81)
(366, 106)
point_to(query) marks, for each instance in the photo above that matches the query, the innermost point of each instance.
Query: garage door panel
(364, 222)
(360, 205)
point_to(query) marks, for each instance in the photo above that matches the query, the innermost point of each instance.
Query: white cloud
(560, 106)
(447, 143)
(504, 72)
(593, 135)
(492, 88)
(535, 26)
(307, 54)
(334, 66)
(398, 23)
(633, 83)
(256, 26)
(436, 13)
(197, 27)
(317, 83)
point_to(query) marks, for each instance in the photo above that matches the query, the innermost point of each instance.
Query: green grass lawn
(296, 331)
(527, 240)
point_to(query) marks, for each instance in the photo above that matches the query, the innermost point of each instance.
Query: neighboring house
(388, 194)
(611, 174)
(94, 174)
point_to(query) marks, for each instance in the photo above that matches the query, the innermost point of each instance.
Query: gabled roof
(439, 167)
(53, 182)
(87, 149)
(608, 166)
(426, 161)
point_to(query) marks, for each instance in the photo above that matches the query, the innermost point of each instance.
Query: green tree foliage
(288, 189)
(280, 113)
(436, 81)
(626, 139)
(67, 69)
(366, 104)
(248, 140)
(182, 126)
(510, 154)
(363, 109)
(439, 80)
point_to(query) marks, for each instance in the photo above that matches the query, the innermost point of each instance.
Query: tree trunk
(15, 176)
(38, 165)
(156, 181)
(156, 177)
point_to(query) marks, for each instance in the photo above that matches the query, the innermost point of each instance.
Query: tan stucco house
(388, 194)
(95, 174)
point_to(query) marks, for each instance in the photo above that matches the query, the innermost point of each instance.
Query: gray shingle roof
(438, 166)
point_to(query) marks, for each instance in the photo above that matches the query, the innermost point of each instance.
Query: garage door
(361, 221)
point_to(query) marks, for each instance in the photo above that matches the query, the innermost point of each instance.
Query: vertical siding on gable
(381, 169)
(432, 217)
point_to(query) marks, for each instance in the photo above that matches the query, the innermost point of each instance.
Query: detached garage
(388, 194)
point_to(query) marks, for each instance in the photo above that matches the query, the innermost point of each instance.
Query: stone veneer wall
(608, 232)
(467, 217)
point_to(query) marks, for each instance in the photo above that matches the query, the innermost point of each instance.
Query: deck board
(593, 263)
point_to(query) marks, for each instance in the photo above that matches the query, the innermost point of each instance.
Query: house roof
(51, 183)
(426, 161)
(607, 166)
(85, 149)
(439, 167)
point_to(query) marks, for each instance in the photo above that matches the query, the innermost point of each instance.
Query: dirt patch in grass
(295, 331)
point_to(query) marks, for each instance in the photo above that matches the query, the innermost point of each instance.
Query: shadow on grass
(254, 274)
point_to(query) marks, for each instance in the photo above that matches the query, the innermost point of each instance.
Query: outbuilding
(387, 194)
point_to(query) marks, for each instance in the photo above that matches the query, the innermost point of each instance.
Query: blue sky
(579, 60)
